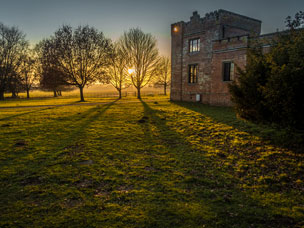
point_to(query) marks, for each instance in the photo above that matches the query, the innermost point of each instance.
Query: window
(223, 32)
(192, 76)
(228, 71)
(194, 45)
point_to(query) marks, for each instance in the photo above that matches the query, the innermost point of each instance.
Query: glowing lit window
(194, 45)
(192, 75)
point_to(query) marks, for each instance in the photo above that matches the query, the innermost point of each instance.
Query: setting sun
(131, 71)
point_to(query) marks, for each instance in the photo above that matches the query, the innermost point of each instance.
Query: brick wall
(176, 59)
(238, 25)
(206, 30)
(213, 51)
(232, 50)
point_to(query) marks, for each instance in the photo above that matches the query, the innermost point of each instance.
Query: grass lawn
(48, 101)
(145, 163)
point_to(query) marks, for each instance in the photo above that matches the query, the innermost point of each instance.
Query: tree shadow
(201, 194)
(76, 134)
(25, 113)
(99, 111)
(47, 107)
(52, 154)
(39, 108)
(284, 138)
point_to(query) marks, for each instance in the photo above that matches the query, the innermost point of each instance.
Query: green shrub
(271, 87)
(247, 93)
(284, 89)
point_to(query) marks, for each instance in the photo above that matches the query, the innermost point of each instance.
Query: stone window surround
(191, 46)
(196, 72)
(231, 77)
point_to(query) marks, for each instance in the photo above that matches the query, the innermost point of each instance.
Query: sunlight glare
(131, 71)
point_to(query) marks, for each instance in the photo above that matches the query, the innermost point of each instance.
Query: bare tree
(14, 83)
(52, 80)
(81, 55)
(12, 46)
(142, 54)
(117, 72)
(50, 77)
(163, 73)
(28, 71)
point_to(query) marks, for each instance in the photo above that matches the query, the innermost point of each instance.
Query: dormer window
(194, 45)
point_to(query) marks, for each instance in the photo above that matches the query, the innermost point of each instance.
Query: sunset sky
(40, 18)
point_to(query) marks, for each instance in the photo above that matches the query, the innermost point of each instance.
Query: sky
(39, 19)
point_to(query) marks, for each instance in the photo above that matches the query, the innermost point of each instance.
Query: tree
(247, 93)
(14, 83)
(295, 23)
(117, 72)
(51, 78)
(284, 88)
(163, 73)
(12, 47)
(142, 54)
(270, 89)
(28, 71)
(81, 55)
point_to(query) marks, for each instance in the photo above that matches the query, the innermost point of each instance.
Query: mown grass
(51, 101)
(47, 101)
(277, 135)
(144, 164)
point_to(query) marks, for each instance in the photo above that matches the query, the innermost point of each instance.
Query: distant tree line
(78, 57)
(271, 87)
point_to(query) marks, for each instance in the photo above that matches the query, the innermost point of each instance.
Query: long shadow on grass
(279, 137)
(26, 113)
(204, 195)
(40, 108)
(52, 154)
(44, 170)
(75, 137)
(21, 151)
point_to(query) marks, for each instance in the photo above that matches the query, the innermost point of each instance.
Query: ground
(143, 163)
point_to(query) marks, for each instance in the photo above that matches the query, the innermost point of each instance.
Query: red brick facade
(224, 38)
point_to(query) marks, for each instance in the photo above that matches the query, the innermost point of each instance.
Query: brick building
(204, 54)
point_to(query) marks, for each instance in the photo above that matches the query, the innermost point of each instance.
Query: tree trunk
(81, 94)
(55, 94)
(1, 95)
(119, 90)
(165, 89)
(27, 93)
(138, 93)
(14, 94)
(119, 93)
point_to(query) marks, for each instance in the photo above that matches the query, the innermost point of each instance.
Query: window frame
(231, 70)
(223, 32)
(197, 46)
(192, 77)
